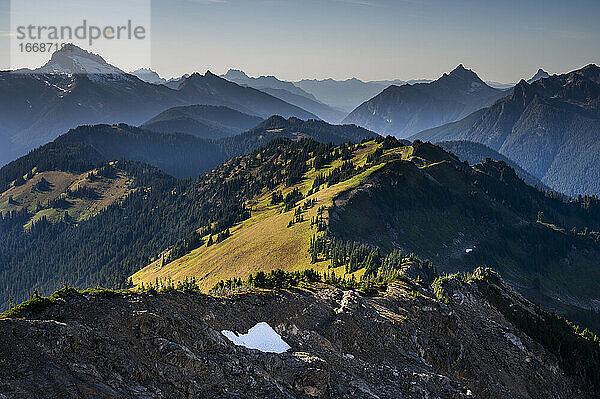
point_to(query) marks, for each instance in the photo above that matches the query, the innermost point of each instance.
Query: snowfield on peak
(91, 66)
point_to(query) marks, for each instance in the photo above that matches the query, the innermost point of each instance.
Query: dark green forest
(164, 212)
(462, 217)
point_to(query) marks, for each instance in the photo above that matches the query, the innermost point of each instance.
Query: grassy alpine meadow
(265, 242)
(54, 195)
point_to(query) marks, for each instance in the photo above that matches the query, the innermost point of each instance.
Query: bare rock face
(401, 344)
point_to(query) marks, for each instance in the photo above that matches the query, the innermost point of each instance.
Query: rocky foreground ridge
(459, 338)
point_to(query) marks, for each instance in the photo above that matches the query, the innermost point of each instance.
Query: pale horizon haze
(367, 39)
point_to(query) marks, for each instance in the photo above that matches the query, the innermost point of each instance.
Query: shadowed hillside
(549, 127)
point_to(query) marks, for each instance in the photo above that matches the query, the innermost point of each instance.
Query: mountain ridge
(548, 127)
(264, 81)
(288, 92)
(404, 110)
(346, 94)
(205, 121)
(411, 338)
(204, 87)
(405, 199)
(38, 105)
(476, 153)
(175, 153)
(149, 76)
(540, 74)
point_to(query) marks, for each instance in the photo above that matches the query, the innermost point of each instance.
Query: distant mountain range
(549, 127)
(265, 82)
(210, 89)
(148, 75)
(538, 75)
(405, 110)
(345, 94)
(552, 114)
(76, 87)
(206, 121)
(36, 106)
(498, 85)
(178, 154)
(288, 92)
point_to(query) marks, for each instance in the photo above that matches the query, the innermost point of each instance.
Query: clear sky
(373, 39)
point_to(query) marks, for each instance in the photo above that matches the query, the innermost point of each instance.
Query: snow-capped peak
(540, 74)
(74, 60)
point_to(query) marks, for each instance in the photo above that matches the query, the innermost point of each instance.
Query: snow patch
(261, 337)
(91, 66)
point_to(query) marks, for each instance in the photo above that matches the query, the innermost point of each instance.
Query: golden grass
(25, 196)
(263, 242)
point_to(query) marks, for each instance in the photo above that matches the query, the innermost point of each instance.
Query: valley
(456, 216)
(301, 200)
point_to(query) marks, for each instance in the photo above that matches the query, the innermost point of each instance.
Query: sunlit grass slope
(41, 199)
(264, 242)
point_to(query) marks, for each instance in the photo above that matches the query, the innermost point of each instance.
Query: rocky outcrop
(403, 343)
